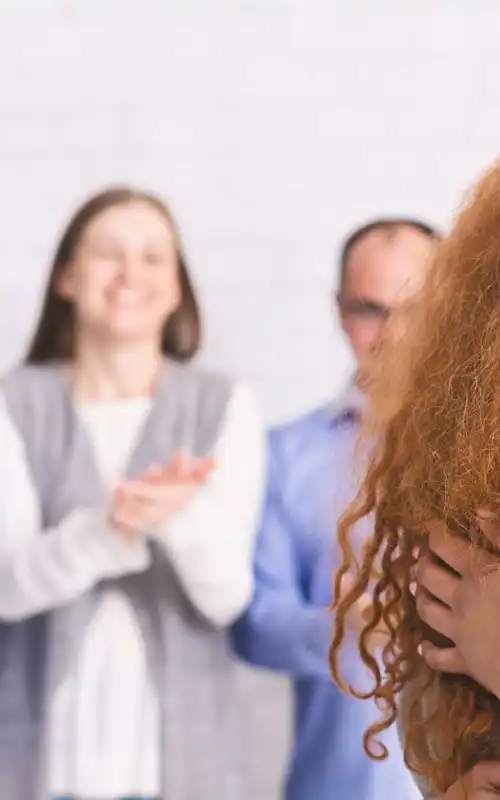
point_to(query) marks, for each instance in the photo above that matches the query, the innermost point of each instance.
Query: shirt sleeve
(41, 569)
(210, 542)
(281, 630)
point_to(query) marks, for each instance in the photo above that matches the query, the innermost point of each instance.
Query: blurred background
(271, 127)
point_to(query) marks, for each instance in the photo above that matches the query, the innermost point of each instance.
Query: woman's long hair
(55, 333)
(435, 419)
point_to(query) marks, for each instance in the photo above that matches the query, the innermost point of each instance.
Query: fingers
(155, 474)
(202, 469)
(130, 516)
(185, 466)
(145, 503)
(457, 553)
(139, 513)
(435, 615)
(181, 464)
(436, 580)
(442, 659)
(485, 775)
(143, 491)
(181, 468)
(481, 782)
(451, 549)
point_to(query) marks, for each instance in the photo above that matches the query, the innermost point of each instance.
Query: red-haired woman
(436, 412)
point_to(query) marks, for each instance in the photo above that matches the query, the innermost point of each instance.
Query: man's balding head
(382, 265)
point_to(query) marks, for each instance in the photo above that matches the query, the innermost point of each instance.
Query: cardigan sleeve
(41, 569)
(211, 541)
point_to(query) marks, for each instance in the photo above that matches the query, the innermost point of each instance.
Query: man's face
(383, 272)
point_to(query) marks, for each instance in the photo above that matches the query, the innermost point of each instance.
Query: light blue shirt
(287, 627)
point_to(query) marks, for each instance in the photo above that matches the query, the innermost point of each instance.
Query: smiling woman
(126, 535)
(114, 233)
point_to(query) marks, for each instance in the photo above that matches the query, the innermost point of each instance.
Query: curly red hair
(435, 412)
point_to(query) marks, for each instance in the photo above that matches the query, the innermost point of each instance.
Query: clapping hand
(143, 505)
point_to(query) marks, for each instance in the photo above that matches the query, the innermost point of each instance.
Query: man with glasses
(288, 626)
(381, 267)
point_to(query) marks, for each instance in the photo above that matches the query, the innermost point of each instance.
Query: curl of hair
(434, 433)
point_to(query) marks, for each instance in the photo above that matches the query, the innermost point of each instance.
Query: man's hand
(464, 607)
(481, 783)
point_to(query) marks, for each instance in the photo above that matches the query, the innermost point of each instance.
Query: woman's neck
(105, 374)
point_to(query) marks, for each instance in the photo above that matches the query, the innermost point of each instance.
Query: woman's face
(124, 277)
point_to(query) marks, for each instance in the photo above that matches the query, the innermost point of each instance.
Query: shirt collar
(350, 404)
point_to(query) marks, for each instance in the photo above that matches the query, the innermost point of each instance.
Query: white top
(102, 746)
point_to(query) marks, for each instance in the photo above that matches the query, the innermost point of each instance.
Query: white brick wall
(271, 125)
